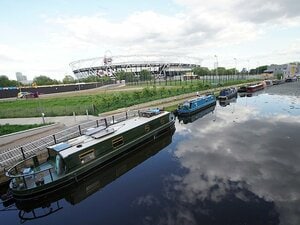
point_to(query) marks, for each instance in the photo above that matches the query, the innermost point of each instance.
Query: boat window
(117, 142)
(87, 156)
(147, 127)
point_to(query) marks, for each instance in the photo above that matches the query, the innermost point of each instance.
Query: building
(159, 66)
(20, 77)
(286, 70)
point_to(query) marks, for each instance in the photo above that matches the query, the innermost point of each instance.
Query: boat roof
(91, 138)
(200, 97)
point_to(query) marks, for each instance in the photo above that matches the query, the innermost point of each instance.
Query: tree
(145, 75)
(201, 71)
(44, 80)
(5, 82)
(127, 76)
(68, 79)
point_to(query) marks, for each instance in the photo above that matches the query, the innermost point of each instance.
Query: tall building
(20, 77)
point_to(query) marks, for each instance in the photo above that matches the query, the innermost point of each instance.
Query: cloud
(198, 28)
(148, 31)
(261, 156)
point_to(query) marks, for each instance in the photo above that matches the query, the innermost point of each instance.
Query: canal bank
(290, 88)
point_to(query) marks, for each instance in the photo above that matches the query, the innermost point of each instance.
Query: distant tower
(20, 77)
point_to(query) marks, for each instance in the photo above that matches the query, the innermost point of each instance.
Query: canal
(237, 163)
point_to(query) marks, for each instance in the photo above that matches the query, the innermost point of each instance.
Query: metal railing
(11, 156)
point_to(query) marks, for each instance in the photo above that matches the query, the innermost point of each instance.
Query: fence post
(126, 115)
(97, 122)
(23, 154)
(105, 120)
(113, 118)
(54, 139)
(79, 129)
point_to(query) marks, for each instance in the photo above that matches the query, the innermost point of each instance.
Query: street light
(217, 67)
(235, 60)
(248, 68)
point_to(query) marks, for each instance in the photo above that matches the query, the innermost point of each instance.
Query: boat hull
(251, 89)
(196, 110)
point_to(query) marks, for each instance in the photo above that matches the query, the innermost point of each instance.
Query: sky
(44, 37)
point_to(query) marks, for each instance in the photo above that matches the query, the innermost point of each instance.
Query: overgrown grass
(96, 103)
(8, 128)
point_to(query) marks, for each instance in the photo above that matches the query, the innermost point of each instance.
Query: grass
(98, 102)
(8, 128)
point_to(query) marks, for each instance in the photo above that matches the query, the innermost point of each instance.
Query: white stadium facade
(160, 66)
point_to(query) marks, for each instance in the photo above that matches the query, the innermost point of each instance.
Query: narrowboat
(227, 102)
(196, 116)
(228, 93)
(255, 87)
(100, 177)
(242, 89)
(195, 105)
(68, 161)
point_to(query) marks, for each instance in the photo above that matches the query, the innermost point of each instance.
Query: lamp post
(217, 67)
(248, 68)
(235, 66)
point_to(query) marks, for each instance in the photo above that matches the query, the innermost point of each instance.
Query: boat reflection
(104, 175)
(227, 102)
(192, 118)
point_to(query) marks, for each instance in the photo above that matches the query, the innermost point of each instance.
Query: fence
(11, 156)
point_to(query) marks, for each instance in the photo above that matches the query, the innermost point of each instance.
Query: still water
(237, 163)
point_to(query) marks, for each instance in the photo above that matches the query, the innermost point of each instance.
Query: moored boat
(196, 116)
(195, 105)
(242, 89)
(68, 161)
(255, 87)
(228, 93)
(96, 180)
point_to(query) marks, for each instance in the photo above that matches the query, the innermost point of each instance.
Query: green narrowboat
(94, 181)
(68, 161)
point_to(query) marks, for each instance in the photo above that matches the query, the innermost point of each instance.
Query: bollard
(43, 117)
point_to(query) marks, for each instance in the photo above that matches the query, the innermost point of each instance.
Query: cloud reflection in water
(241, 151)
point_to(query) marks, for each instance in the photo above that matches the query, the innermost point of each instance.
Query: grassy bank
(98, 102)
(8, 128)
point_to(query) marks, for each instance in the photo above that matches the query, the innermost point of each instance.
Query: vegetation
(98, 103)
(258, 70)
(5, 82)
(8, 128)
(68, 79)
(44, 80)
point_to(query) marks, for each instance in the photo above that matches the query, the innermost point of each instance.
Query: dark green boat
(95, 181)
(67, 162)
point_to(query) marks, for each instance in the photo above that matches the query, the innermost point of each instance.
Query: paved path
(66, 120)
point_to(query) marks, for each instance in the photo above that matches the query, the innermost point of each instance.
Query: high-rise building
(20, 77)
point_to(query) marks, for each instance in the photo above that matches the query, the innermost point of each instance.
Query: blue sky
(43, 37)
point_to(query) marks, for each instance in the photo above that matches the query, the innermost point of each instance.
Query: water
(238, 164)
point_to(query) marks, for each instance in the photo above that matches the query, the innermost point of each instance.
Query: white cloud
(200, 29)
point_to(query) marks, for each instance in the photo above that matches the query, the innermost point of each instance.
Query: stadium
(160, 66)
